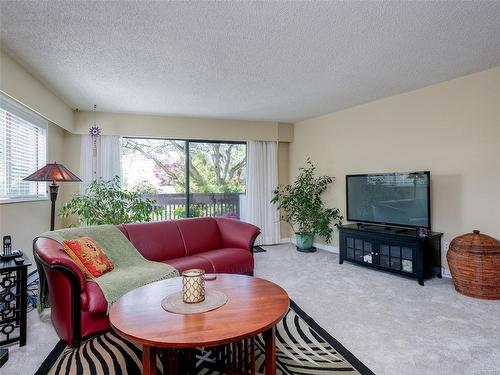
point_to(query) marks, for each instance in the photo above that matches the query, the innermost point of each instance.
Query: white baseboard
(322, 246)
(334, 249)
(330, 248)
(445, 272)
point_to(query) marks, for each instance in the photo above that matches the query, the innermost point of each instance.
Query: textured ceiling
(282, 61)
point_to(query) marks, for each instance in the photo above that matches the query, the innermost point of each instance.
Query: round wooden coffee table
(254, 306)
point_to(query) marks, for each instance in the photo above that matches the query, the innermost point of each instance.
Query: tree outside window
(213, 167)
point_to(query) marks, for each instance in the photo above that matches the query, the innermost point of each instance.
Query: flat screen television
(399, 199)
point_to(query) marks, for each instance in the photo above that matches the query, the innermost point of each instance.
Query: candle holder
(193, 286)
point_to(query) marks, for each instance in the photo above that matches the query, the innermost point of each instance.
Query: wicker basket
(474, 261)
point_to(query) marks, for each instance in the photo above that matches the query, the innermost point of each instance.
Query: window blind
(23, 150)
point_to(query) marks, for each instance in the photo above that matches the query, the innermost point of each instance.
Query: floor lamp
(56, 173)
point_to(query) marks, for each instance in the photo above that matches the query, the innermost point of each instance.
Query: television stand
(391, 249)
(384, 229)
(404, 230)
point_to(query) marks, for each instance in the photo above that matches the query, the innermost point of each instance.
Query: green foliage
(194, 211)
(104, 202)
(217, 168)
(301, 206)
(213, 167)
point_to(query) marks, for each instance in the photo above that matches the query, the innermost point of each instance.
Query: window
(214, 184)
(23, 145)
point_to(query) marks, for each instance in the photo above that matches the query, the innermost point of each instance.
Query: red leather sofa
(78, 307)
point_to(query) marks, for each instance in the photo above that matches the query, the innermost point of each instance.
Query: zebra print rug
(303, 347)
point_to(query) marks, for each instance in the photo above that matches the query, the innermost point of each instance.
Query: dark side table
(13, 303)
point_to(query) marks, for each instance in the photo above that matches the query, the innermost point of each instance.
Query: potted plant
(301, 206)
(104, 202)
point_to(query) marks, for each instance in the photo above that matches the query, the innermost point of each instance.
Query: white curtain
(104, 163)
(262, 179)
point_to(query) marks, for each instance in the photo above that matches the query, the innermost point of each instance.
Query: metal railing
(173, 206)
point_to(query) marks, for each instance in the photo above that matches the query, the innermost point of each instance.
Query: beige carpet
(392, 324)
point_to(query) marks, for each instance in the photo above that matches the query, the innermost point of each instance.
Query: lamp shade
(53, 172)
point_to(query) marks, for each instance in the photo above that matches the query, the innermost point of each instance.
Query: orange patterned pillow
(89, 256)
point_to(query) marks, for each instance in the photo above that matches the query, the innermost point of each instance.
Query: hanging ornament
(95, 133)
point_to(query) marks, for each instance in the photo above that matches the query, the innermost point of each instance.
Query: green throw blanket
(131, 269)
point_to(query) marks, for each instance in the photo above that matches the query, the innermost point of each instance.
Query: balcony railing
(173, 206)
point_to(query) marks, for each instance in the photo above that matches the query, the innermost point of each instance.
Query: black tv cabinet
(395, 250)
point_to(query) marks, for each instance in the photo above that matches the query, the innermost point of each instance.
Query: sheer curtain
(262, 179)
(104, 163)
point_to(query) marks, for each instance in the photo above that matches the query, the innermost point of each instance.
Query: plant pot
(305, 242)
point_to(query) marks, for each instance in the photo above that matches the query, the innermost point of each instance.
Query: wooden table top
(254, 305)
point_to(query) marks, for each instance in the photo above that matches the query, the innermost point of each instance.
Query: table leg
(23, 275)
(270, 344)
(148, 360)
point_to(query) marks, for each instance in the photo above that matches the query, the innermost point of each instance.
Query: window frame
(19, 110)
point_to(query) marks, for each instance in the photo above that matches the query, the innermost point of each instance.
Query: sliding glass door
(213, 186)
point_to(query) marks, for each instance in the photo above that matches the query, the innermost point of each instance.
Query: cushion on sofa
(192, 261)
(156, 241)
(93, 301)
(88, 255)
(230, 260)
(199, 234)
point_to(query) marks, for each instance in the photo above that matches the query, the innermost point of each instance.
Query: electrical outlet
(446, 245)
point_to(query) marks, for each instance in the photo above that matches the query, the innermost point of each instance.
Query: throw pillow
(89, 256)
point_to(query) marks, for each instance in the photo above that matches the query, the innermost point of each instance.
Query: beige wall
(71, 151)
(451, 129)
(16, 82)
(285, 132)
(182, 127)
(25, 220)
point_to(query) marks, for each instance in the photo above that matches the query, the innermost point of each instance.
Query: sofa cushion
(156, 241)
(229, 260)
(192, 261)
(199, 234)
(93, 300)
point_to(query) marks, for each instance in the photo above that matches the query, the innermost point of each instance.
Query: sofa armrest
(51, 253)
(235, 233)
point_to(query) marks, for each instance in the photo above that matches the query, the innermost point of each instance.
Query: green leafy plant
(301, 206)
(104, 202)
(194, 211)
